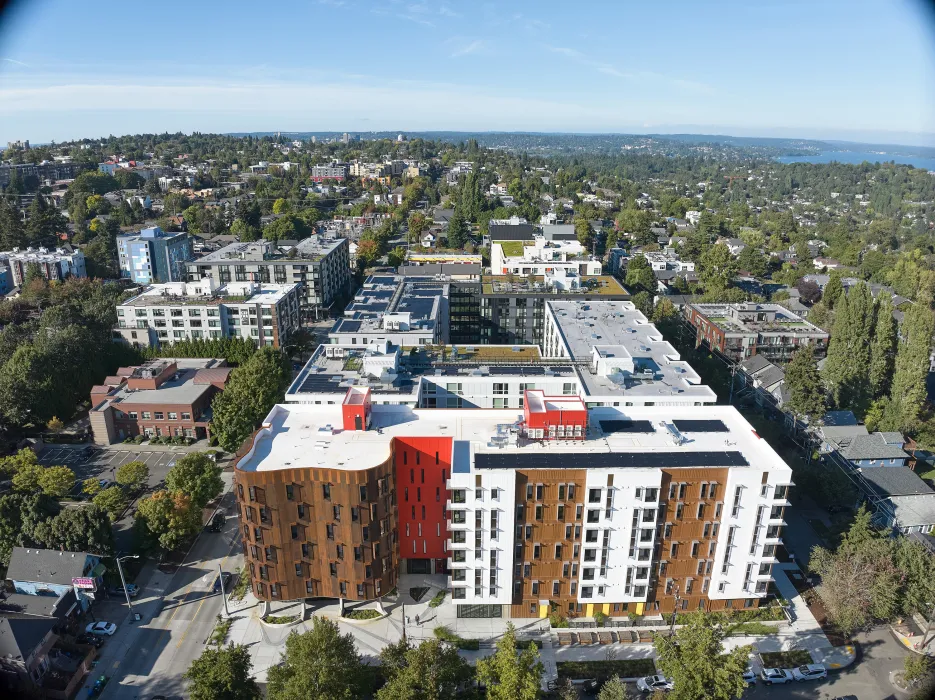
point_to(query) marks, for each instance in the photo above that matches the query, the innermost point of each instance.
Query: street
(178, 615)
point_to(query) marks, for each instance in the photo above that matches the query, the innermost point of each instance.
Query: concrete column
(266, 609)
(380, 606)
(306, 610)
(341, 607)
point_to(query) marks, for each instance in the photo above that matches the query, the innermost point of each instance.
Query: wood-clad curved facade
(311, 532)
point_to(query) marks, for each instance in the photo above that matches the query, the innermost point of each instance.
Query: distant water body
(858, 157)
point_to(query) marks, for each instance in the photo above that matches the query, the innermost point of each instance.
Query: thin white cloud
(645, 76)
(476, 46)
(15, 62)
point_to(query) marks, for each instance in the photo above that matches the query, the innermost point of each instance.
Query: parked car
(809, 672)
(652, 683)
(749, 677)
(775, 676)
(227, 582)
(217, 522)
(91, 639)
(132, 589)
(104, 483)
(101, 627)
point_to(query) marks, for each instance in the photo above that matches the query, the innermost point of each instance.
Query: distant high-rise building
(153, 255)
(346, 138)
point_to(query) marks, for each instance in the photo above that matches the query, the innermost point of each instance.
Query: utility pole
(124, 582)
(223, 592)
(404, 621)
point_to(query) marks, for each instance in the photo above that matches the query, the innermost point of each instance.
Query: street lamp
(124, 581)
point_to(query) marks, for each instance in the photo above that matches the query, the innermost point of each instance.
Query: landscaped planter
(364, 620)
(280, 621)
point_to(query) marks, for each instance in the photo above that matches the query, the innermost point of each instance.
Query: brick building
(164, 397)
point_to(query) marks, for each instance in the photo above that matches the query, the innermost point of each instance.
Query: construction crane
(731, 178)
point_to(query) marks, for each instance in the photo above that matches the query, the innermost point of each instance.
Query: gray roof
(20, 604)
(19, 636)
(833, 418)
(872, 446)
(755, 363)
(46, 565)
(894, 481)
(911, 511)
(770, 376)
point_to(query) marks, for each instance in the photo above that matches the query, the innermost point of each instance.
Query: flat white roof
(311, 436)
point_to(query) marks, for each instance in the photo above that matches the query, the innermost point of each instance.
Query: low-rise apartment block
(163, 397)
(739, 331)
(333, 171)
(554, 259)
(268, 314)
(58, 264)
(320, 264)
(614, 510)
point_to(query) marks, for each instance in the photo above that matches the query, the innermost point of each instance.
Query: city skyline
(770, 70)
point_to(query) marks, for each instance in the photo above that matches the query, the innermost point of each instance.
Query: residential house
(899, 498)
(765, 378)
(50, 572)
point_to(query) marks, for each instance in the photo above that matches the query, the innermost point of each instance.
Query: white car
(101, 627)
(810, 672)
(749, 677)
(773, 676)
(651, 683)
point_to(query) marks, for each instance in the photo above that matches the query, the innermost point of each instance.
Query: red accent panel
(420, 485)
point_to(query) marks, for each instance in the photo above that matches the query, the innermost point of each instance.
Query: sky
(859, 70)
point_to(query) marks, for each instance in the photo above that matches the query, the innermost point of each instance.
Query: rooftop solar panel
(626, 426)
(701, 426)
(607, 460)
(349, 326)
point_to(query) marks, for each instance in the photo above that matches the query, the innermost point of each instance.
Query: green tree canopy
(718, 267)
(508, 675)
(321, 663)
(133, 474)
(640, 274)
(431, 671)
(694, 660)
(83, 529)
(196, 476)
(223, 674)
(883, 348)
(613, 689)
(167, 519)
(112, 500)
(252, 391)
(806, 391)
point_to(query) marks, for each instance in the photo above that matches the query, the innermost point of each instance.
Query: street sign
(80, 582)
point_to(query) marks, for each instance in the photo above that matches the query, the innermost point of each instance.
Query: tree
(718, 268)
(84, 529)
(640, 274)
(883, 348)
(431, 671)
(56, 481)
(167, 519)
(112, 500)
(253, 389)
(457, 231)
(584, 232)
(396, 257)
(417, 224)
(12, 234)
(91, 486)
(281, 206)
(43, 223)
(197, 477)
(509, 676)
(809, 292)
(846, 369)
(860, 582)
(20, 515)
(133, 475)
(833, 289)
(916, 669)
(644, 303)
(908, 394)
(321, 663)
(753, 261)
(613, 689)
(806, 392)
(694, 660)
(566, 690)
(223, 674)
(917, 569)
(664, 311)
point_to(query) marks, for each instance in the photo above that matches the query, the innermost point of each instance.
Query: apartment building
(57, 264)
(739, 331)
(320, 264)
(268, 314)
(154, 256)
(618, 510)
(46, 173)
(541, 256)
(163, 397)
(333, 171)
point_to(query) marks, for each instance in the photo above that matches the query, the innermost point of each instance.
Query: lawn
(512, 249)
(785, 659)
(625, 668)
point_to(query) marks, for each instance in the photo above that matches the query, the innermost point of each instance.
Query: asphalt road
(175, 624)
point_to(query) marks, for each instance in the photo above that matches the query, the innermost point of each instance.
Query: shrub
(600, 617)
(625, 668)
(366, 614)
(279, 620)
(438, 599)
(446, 635)
(556, 620)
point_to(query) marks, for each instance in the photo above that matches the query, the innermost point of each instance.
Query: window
(173, 415)
(326, 491)
(561, 492)
(594, 515)
(594, 495)
(290, 492)
(558, 551)
(535, 588)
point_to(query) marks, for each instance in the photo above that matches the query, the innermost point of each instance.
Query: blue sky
(855, 70)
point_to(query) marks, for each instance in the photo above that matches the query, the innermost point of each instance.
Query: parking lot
(102, 463)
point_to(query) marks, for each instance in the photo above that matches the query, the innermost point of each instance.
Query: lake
(858, 157)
